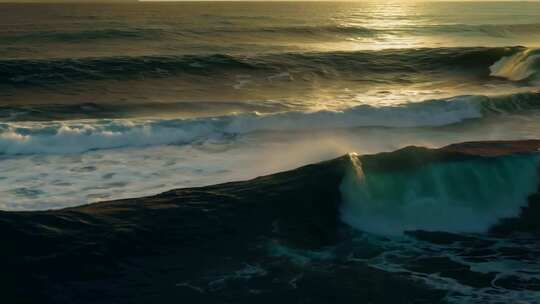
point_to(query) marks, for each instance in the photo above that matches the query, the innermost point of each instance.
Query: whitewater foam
(58, 137)
(524, 65)
(82, 136)
(398, 253)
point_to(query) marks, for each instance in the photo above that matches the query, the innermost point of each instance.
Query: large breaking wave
(463, 195)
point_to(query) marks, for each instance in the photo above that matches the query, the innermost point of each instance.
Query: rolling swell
(349, 65)
(79, 36)
(88, 110)
(43, 72)
(286, 32)
(324, 31)
(84, 135)
(490, 30)
(493, 30)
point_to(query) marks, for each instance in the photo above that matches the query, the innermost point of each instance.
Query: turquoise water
(468, 196)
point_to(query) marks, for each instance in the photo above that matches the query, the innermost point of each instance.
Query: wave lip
(388, 195)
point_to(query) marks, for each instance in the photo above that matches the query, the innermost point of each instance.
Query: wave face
(85, 135)
(524, 65)
(463, 196)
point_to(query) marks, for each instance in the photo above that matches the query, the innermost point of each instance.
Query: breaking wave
(80, 36)
(524, 65)
(332, 65)
(84, 135)
(386, 195)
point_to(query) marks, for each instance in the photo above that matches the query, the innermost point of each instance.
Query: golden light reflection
(390, 19)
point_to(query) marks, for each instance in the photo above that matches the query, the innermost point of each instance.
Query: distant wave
(466, 195)
(331, 65)
(334, 29)
(80, 36)
(494, 30)
(490, 30)
(89, 110)
(51, 71)
(285, 32)
(86, 135)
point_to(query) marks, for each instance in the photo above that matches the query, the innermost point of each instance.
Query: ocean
(106, 101)
(110, 101)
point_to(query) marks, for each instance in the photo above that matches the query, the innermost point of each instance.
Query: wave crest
(86, 135)
(524, 65)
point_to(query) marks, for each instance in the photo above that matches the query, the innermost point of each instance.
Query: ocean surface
(105, 101)
(109, 101)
